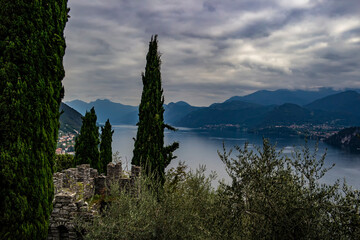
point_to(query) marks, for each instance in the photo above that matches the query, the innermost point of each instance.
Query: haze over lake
(199, 147)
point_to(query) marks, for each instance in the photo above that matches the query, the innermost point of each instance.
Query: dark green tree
(32, 47)
(105, 146)
(149, 150)
(87, 143)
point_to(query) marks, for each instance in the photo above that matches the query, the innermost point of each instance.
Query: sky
(210, 49)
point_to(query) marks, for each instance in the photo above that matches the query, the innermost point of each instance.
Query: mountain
(348, 138)
(79, 106)
(281, 96)
(235, 112)
(344, 102)
(340, 109)
(175, 111)
(70, 119)
(256, 116)
(287, 114)
(105, 109)
(125, 114)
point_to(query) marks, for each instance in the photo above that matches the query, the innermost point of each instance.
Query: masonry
(74, 186)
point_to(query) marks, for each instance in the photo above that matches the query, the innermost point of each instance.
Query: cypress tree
(32, 47)
(87, 143)
(149, 151)
(105, 146)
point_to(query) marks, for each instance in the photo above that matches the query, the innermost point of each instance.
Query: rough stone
(74, 186)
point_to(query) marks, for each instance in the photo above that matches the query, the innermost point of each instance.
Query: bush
(270, 197)
(274, 197)
(179, 210)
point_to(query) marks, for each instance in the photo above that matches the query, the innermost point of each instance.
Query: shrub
(275, 197)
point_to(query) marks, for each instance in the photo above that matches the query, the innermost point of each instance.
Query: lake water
(199, 147)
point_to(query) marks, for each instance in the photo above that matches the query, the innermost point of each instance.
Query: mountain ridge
(238, 112)
(281, 96)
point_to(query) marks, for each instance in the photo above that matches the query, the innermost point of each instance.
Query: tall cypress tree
(105, 146)
(32, 47)
(87, 143)
(149, 151)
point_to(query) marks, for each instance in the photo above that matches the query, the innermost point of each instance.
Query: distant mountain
(125, 114)
(235, 112)
(287, 114)
(79, 106)
(281, 96)
(105, 109)
(348, 138)
(175, 111)
(70, 119)
(340, 109)
(345, 102)
(251, 115)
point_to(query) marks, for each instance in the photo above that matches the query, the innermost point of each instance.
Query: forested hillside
(70, 119)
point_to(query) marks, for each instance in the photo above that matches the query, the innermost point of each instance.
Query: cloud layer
(211, 50)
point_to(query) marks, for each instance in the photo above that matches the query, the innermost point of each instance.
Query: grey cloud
(211, 49)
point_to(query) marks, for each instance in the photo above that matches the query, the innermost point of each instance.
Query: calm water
(200, 148)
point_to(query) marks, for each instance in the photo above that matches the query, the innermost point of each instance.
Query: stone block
(100, 185)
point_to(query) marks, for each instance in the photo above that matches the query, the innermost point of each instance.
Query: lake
(199, 147)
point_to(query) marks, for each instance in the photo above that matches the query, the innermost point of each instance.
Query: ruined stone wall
(74, 186)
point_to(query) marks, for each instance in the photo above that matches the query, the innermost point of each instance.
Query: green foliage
(87, 142)
(149, 150)
(105, 146)
(270, 197)
(32, 47)
(184, 210)
(63, 161)
(274, 197)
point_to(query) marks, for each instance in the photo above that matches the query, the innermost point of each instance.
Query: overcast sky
(211, 49)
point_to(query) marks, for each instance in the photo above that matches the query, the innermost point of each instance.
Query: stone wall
(74, 186)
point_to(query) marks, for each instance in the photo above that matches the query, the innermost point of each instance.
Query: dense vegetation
(149, 150)
(105, 146)
(32, 47)
(270, 197)
(87, 143)
(89, 148)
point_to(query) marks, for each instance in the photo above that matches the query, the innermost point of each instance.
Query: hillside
(70, 119)
(348, 138)
(250, 115)
(345, 102)
(287, 114)
(281, 96)
(175, 111)
(234, 112)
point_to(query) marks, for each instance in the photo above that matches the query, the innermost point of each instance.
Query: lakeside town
(66, 143)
